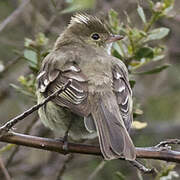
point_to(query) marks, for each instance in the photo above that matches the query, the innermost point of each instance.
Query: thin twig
(14, 15)
(4, 170)
(64, 166)
(49, 25)
(97, 170)
(5, 128)
(53, 3)
(57, 146)
(6, 148)
(15, 150)
(142, 168)
(53, 17)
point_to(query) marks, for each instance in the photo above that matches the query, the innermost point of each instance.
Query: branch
(5, 128)
(64, 166)
(16, 149)
(57, 146)
(14, 15)
(4, 170)
(97, 170)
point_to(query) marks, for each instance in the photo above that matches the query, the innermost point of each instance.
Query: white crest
(80, 18)
(84, 19)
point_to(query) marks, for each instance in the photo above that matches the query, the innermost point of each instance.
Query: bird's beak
(114, 38)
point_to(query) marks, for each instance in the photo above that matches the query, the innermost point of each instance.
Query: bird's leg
(142, 168)
(65, 138)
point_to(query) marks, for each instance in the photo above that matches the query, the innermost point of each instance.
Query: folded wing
(52, 77)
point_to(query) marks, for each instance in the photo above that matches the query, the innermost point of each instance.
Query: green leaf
(127, 17)
(167, 173)
(141, 14)
(168, 3)
(139, 125)
(132, 83)
(77, 5)
(143, 34)
(167, 10)
(31, 57)
(151, 4)
(41, 39)
(144, 52)
(28, 42)
(6, 148)
(118, 49)
(159, 57)
(113, 20)
(153, 71)
(21, 90)
(116, 54)
(113, 14)
(156, 34)
(2, 67)
(171, 175)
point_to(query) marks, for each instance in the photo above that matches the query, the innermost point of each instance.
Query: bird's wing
(52, 76)
(123, 93)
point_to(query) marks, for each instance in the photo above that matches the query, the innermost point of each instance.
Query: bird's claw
(165, 148)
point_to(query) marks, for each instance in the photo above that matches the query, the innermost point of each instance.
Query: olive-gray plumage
(99, 99)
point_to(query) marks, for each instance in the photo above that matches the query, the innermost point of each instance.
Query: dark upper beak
(114, 38)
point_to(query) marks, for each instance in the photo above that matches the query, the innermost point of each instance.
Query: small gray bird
(98, 102)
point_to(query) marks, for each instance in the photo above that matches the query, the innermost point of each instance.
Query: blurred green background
(157, 94)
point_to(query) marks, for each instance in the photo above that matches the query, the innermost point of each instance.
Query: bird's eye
(95, 36)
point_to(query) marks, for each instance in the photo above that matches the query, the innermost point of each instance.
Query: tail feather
(104, 139)
(114, 139)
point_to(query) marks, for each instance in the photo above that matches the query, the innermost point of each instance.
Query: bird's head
(91, 30)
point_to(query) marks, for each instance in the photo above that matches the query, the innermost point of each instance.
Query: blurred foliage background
(151, 51)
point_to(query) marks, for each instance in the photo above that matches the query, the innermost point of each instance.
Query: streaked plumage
(99, 98)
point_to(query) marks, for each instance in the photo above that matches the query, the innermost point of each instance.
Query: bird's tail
(114, 139)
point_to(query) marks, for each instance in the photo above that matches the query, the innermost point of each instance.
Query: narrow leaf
(30, 56)
(156, 34)
(21, 90)
(159, 57)
(118, 49)
(139, 125)
(1, 67)
(144, 52)
(153, 71)
(141, 14)
(78, 5)
(132, 83)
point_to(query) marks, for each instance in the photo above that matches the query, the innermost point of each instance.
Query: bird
(98, 101)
